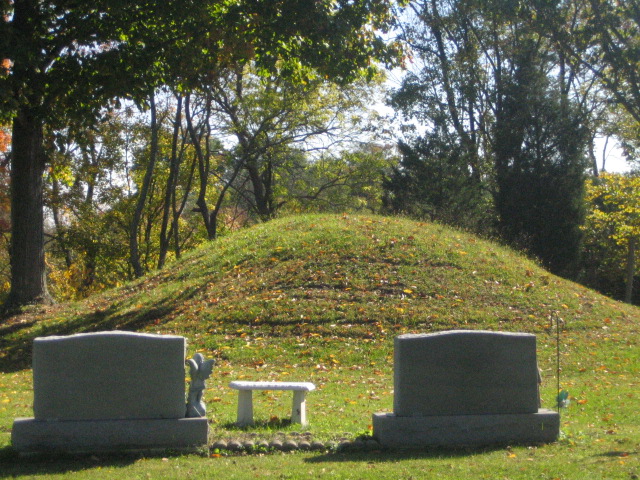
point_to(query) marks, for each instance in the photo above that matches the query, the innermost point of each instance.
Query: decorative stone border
(292, 442)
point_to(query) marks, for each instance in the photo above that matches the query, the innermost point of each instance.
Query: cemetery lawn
(320, 298)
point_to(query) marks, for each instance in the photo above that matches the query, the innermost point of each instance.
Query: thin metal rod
(557, 320)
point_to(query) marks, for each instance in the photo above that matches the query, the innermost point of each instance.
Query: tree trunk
(178, 209)
(203, 168)
(631, 270)
(260, 192)
(134, 249)
(170, 190)
(592, 156)
(28, 273)
(60, 233)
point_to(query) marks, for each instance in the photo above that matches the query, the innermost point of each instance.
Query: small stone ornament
(200, 370)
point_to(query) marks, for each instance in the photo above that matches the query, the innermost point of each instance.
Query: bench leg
(299, 408)
(245, 408)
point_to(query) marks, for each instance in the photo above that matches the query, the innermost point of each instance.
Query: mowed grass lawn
(320, 299)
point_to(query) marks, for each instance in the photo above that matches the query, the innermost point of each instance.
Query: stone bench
(245, 399)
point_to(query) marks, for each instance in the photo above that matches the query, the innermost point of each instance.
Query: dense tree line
(139, 131)
(500, 128)
(140, 186)
(502, 107)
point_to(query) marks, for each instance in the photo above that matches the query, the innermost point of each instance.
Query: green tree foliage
(277, 131)
(91, 192)
(69, 59)
(600, 39)
(88, 191)
(433, 181)
(493, 134)
(540, 166)
(348, 182)
(612, 233)
(462, 52)
(605, 39)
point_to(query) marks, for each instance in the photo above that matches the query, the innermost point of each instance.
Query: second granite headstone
(465, 387)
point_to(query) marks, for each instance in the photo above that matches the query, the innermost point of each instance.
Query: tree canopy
(613, 223)
(68, 60)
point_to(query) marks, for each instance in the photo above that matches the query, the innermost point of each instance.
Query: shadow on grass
(394, 455)
(15, 327)
(618, 454)
(13, 465)
(17, 349)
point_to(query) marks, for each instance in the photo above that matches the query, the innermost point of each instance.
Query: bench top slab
(295, 386)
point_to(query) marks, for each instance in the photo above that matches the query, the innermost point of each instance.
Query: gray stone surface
(110, 391)
(461, 387)
(199, 369)
(108, 376)
(30, 435)
(465, 372)
(459, 430)
(220, 444)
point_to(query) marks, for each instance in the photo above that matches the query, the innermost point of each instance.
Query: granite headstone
(108, 391)
(464, 387)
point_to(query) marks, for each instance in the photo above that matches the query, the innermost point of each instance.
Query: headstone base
(77, 436)
(465, 430)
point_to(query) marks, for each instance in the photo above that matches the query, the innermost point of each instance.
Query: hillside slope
(320, 299)
(323, 277)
